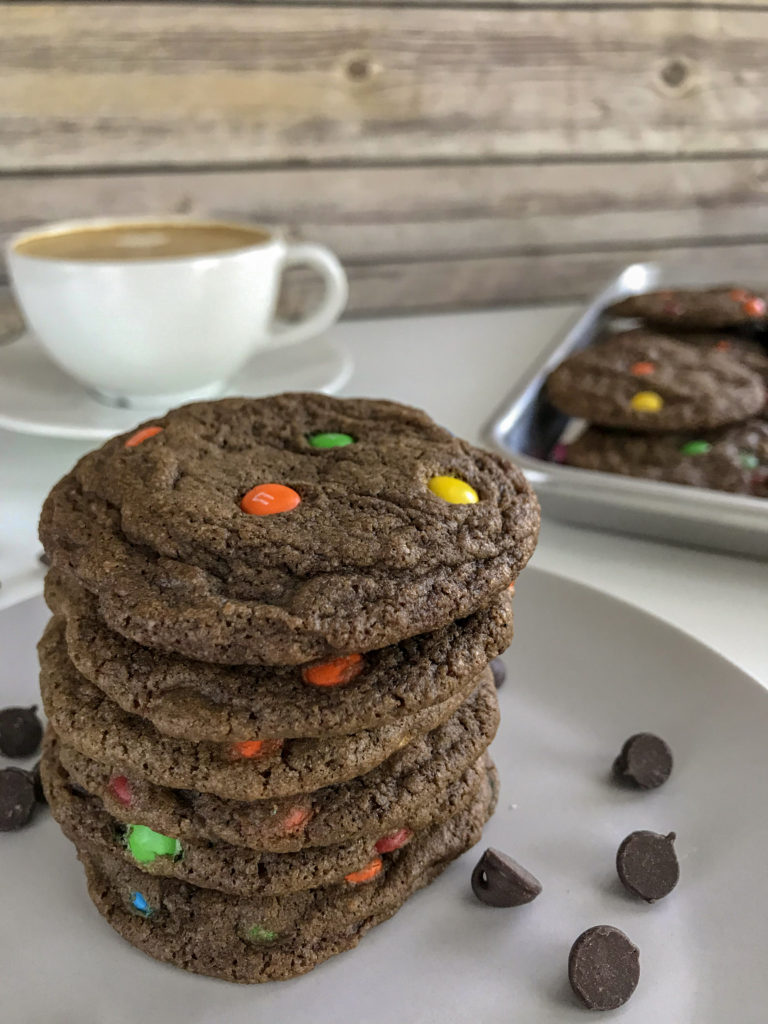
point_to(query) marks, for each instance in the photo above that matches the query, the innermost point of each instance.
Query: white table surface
(459, 367)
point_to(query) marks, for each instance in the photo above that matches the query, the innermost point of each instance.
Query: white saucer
(585, 672)
(36, 397)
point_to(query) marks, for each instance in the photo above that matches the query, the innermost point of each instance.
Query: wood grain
(406, 212)
(109, 85)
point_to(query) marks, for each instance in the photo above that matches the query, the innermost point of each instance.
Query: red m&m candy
(295, 818)
(393, 841)
(269, 499)
(120, 788)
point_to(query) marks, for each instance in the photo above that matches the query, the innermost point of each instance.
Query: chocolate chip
(645, 760)
(603, 967)
(17, 798)
(500, 881)
(647, 865)
(20, 732)
(34, 774)
(43, 559)
(499, 670)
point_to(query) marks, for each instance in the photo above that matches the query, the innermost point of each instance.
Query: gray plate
(527, 426)
(586, 671)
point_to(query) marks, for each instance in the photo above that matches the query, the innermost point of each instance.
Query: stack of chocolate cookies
(680, 398)
(266, 674)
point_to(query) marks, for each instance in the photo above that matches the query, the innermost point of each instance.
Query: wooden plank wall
(454, 153)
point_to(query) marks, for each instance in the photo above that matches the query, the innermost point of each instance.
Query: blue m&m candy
(140, 905)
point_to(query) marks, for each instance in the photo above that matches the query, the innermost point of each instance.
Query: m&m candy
(647, 401)
(559, 453)
(142, 435)
(365, 874)
(140, 904)
(453, 490)
(695, 448)
(393, 841)
(250, 749)
(120, 788)
(334, 672)
(269, 499)
(330, 440)
(258, 933)
(748, 460)
(295, 818)
(754, 307)
(641, 369)
(146, 845)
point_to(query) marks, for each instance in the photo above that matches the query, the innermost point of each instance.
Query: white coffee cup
(149, 312)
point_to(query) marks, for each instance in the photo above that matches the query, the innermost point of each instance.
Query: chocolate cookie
(212, 865)
(694, 308)
(731, 459)
(427, 781)
(270, 938)
(748, 351)
(251, 770)
(643, 381)
(229, 536)
(197, 701)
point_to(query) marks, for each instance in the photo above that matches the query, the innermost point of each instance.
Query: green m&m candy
(748, 460)
(146, 845)
(330, 440)
(695, 447)
(260, 934)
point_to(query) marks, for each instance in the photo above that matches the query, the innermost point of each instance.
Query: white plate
(36, 397)
(586, 671)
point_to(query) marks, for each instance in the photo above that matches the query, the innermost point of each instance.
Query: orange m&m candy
(738, 294)
(723, 345)
(255, 748)
(269, 499)
(754, 307)
(142, 435)
(365, 874)
(334, 672)
(642, 369)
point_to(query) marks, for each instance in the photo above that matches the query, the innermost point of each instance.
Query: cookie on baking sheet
(732, 459)
(289, 529)
(248, 770)
(269, 938)
(199, 701)
(424, 782)
(642, 381)
(695, 309)
(749, 351)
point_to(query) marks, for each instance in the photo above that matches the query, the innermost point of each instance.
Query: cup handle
(334, 300)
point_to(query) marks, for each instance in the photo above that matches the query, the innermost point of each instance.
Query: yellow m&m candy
(647, 401)
(453, 490)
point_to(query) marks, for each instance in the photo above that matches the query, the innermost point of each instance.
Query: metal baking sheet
(527, 426)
